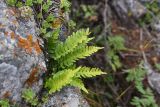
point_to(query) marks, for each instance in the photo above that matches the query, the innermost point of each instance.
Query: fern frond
(52, 40)
(60, 79)
(117, 42)
(79, 53)
(87, 72)
(76, 82)
(71, 43)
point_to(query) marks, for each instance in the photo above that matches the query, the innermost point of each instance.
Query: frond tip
(79, 53)
(87, 72)
(76, 82)
(71, 43)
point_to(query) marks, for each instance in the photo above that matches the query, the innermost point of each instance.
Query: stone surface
(68, 97)
(22, 61)
(125, 8)
(153, 77)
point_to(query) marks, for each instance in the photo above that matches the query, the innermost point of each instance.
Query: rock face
(68, 97)
(22, 62)
(125, 8)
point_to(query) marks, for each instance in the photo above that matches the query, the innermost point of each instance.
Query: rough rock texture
(22, 61)
(68, 97)
(125, 8)
(153, 77)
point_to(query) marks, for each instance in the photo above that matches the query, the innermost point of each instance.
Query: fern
(71, 77)
(71, 43)
(79, 53)
(116, 44)
(76, 82)
(64, 56)
(136, 74)
(60, 79)
(114, 59)
(147, 98)
(87, 72)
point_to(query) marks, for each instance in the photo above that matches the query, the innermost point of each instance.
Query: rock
(68, 97)
(22, 62)
(125, 8)
(154, 81)
(153, 77)
(155, 25)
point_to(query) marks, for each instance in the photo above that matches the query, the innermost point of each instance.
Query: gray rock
(21, 56)
(154, 81)
(68, 97)
(125, 8)
(22, 62)
(153, 77)
(156, 25)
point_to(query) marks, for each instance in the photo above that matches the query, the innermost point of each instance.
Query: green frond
(71, 43)
(52, 40)
(78, 53)
(87, 72)
(60, 79)
(76, 82)
(117, 42)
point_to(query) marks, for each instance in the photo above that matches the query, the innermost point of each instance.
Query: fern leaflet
(76, 82)
(60, 79)
(79, 53)
(71, 43)
(87, 72)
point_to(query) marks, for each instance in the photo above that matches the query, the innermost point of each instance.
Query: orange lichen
(32, 77)
(7, 94)
(23, 43)
(28, 44)
(12, 34)
(30, 38)
(37, 47)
